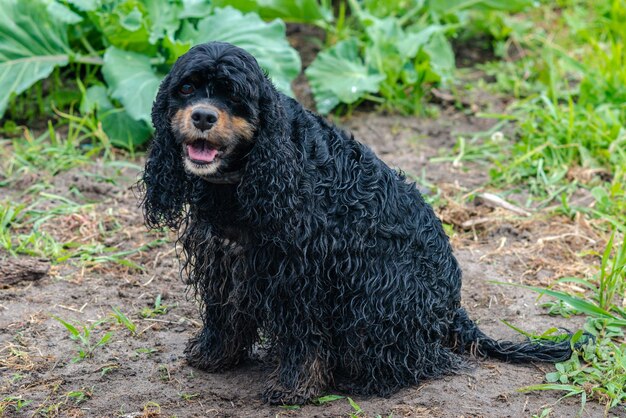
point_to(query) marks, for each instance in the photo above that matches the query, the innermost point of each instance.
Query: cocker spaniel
(297, 236)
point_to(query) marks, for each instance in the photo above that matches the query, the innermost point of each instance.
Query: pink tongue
(201, 153)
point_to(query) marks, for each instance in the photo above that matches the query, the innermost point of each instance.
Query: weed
(159, 309)
(16, 377)
(188, 396)
(109, 369)
(79, 396)
(68, 402)
(50, 152)
(82, 334)
(556, 137)
(597, 369)
(23, 230)
(357, 409)
(164, 373)
(545, 413)
(328, 398)
(14, 402)
(51, 410)
(560, 308)
(612, 277)
(99, 254)
(19, 232)
(151, 409)
(607, 288)
(570, 122)
(124, 320)
(147, 351)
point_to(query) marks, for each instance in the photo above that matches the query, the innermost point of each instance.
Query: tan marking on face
(242, 128)
(182, 123)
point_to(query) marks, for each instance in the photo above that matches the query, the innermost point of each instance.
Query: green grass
(83, 335)
(158, 309)
(188, 396)
(13, 403)
(562, 148)
(122, 319)
(355, 412)
(41, 158)
(63, 404)
(51, 152)
(109, 369)
(164, 373)
(597, 369)
(147, 351)
(20, 226)
(79, 396)
(35, 221)
(570, 119)
(30, 229)
(86, 340)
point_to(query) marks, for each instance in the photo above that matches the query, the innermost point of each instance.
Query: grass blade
(75, 334)
(576, 303)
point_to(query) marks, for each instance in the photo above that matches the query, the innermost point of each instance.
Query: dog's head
(212, 99)
(218, 120)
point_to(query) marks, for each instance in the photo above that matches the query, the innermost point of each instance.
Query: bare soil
(146, 374)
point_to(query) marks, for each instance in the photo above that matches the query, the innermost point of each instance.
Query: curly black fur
(334, 257)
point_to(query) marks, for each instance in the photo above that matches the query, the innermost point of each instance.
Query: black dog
(297, 235)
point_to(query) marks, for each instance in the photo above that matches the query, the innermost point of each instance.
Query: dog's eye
(186, 89)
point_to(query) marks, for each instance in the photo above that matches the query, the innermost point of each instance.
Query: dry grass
(548, 246)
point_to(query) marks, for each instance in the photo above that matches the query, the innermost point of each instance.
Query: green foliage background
(119, 50)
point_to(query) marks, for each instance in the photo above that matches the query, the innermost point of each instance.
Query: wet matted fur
(293, 230)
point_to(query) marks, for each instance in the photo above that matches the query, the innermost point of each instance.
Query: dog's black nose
(204, 119)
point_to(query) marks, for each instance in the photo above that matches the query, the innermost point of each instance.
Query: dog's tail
(469, 336)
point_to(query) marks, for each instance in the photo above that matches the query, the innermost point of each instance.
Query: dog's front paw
(304, 382)
(278, 395)
(205, 356)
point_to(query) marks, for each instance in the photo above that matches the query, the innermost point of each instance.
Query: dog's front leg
(299, 378)
(303, 373)
(229, 325)
(223, 342)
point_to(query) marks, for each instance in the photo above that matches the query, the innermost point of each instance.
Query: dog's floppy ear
(268, 190)
(165, 182)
